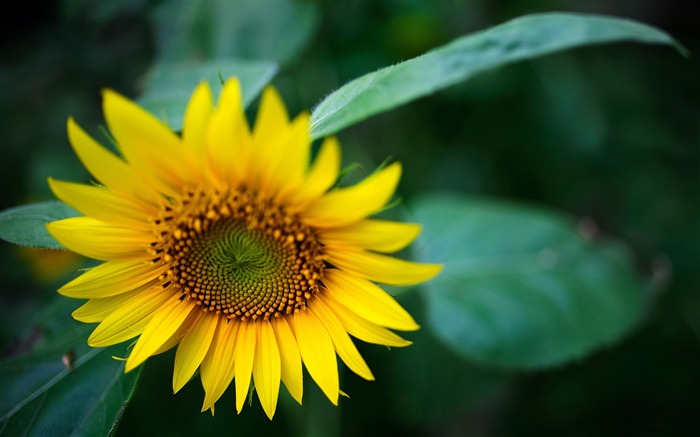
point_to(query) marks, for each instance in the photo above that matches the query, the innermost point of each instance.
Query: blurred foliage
(608, 136)
(521, 287)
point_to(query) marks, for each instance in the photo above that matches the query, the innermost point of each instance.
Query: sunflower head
(231, 245)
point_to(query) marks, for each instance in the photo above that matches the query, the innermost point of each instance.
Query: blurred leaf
(523, 38)
(251, 29)
(60, 386)
(26, 225)
(169, 86)
(521, 288)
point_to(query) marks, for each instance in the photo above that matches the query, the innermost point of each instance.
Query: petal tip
(202, 87)
(433, 270)
(129, 366)
(110, 97)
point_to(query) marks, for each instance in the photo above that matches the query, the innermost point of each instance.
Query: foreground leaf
(523, 38)
(169, 86)
(26, 225)
(61, 386)
(521, 288)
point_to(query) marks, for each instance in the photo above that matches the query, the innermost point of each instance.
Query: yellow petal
(361, 328)
(321, 177)
(217, 367)
(130, 319)
(193, 348)
(318, 353)
(228, 138)
(99, 240)
(195, 128)
(178, 335)
(272, 117)
(112, 278)
(244, 357)
(293, 160)
(164, 323)
(347, 205)
(379, 235)
(100, 203)
(342, 342)
(150, 147)
(381, 268)
(270, 137)
(267, 367)
(367, 300)
(111, 170)
(283, 159)
(97, 309)
(291, 359)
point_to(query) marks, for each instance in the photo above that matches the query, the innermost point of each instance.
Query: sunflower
(231, 245)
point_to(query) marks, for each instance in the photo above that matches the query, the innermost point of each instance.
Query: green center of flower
(238, 255)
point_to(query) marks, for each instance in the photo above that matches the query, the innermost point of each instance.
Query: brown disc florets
(238, 254)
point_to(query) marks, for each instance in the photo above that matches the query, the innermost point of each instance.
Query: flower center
(238, 254)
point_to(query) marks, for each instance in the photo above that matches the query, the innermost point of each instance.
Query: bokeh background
(607, 134)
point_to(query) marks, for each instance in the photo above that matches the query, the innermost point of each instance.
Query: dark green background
(609, 133)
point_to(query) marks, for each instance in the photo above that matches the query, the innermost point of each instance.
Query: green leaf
(520, 39)
(26, 225)
(61, 386)
(521, 288)
(169, 86)
(249, 29)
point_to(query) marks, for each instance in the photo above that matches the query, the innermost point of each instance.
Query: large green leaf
(26, 225)
(169, 86)
(523, 38)
(250, 29)
(59, 385)
(521, 287)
